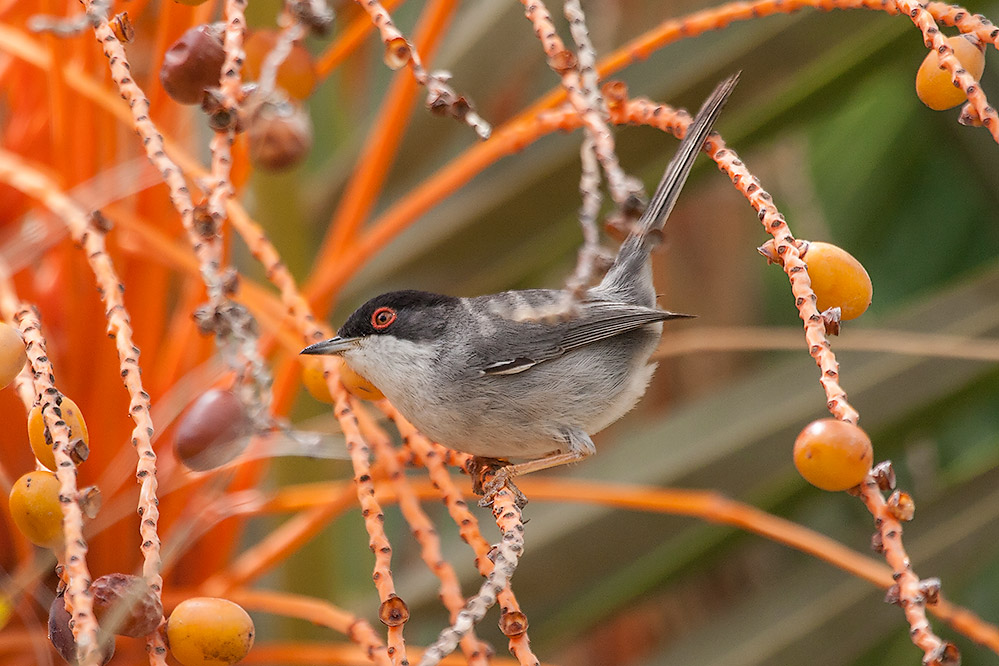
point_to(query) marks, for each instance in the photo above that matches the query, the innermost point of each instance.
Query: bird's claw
(489, 477)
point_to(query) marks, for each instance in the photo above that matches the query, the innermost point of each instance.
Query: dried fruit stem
(936, 40)
(819, 347)
(15, 172)
(965, 21)
(590, 155)
(579, 80)
(360, 456)
(318, 611)
(277, 55)
(424, 532)
(77, 575)
(435, 83)
(911, 598)
(506, 554)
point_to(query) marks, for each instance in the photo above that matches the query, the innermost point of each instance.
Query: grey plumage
(498, 376)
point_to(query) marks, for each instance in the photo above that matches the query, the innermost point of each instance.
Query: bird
(516, 378)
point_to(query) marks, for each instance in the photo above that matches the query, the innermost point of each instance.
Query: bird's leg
(579, 446)
(478, 467)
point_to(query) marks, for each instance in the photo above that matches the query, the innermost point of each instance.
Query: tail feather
(679, 167)
(633, 252)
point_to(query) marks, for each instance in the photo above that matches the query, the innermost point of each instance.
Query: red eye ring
(382, 318)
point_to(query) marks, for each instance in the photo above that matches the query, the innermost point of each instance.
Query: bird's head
(414, 317)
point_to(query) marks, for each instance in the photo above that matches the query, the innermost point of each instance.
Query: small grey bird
(496, 376)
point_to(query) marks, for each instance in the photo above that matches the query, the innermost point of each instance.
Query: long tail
(635, 248)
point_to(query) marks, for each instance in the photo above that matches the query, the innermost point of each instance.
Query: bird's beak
(332, 346)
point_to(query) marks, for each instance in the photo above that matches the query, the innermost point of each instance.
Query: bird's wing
(602, 320)
(595, 321)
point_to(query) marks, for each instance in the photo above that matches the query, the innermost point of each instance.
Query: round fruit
(359, 386)
(832, 454)
(314, 381)
(35, 508)
(190, 3)
(41, 438)
(206, 631)
(126, 605)
(61, 635)
(279, 133)
(6, 610)
(193, 63)
(838, 280)
(296, 75)
(934, 85)
(212, 431)
(12, 356)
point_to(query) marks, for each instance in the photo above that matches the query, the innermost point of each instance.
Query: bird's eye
(382, 318)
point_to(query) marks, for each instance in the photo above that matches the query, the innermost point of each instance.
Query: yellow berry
(205, 631)
(6, 610)
(315, 383)
(35, 508)
(12, 356)
(41, 440)
(934, 85)
(838, 280)
(359, 386)
(832, 454)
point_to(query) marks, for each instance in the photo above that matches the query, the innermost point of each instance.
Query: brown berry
(212, 431)
(126, 605)
(193, 63)
(61, 634)
(279, 133)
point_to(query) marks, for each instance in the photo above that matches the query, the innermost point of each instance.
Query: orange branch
(377, 155)
(348, 42)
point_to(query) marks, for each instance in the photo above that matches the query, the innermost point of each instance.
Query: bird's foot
(490, 476)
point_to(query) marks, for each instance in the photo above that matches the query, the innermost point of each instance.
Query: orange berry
(832, 454)
(838, 280)
(315, 383)
(41, 438)
(35, 508)
(296, 75)
(12, 356)
(934, 86)
(205, 631)
(358, 386)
